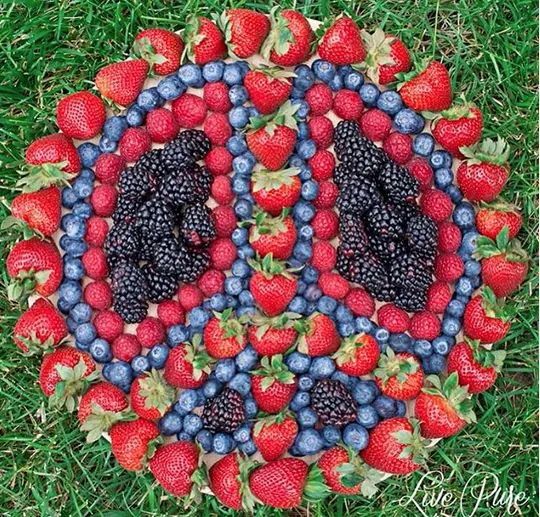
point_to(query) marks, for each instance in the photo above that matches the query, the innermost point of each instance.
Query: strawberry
(39, 328)
(290, 38)
(324, 256)
(333, 285)
(268, 88)
(66, 373)
(187, 366)
(161, 125)
(395, 447)
(151, 397)
(161, 48)
(399, 376)
(437, 205)
(34, 265)
(224, 335)
(132, 442)
(360, 302)
(228, 480)
(270, 336)
(484, 318)
(80, 115)
(216, 97)
(325, 225)
(342, 43)
(321, 130)
(483, 175)
(398, 147)
(504, 263)
(375, 124)
(357, 355)
(271, 285)
(122, 82)
(386, 56)
(125, 347)
(274, 191)
(275, 235)
(319, 335)
(492, 218)
(348, 105)
(327, 195)
(448, 267)
(273, 435)
(393, 318)
(273, 385)
(424, 325)
(443, 410)
(217, 128)
(429, 90)
(109, 166)
(204, 41)
(272, 138)
(245, 31)
(54, 154)
(320, 100)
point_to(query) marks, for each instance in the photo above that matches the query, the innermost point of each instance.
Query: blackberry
(152, 163)
(345, 131)
(385, 222)
(375, 278)
(197, 228)
(410, 273)
(358, 196)
(333, 403)
(387, 250)
(192, 265)
(407, 210)
(161, 286)
(167, 254)
(346, 173)
(189, 146)
(411, 300)
(129, 289)
(421, 235)
(155, 219)
(185, 186)
(364, 155)
(352, 233)
(126, 209)
(123, 242)
(397, 183)
(225, 412)
(135, 183)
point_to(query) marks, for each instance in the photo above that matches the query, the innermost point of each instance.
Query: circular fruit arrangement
(261, 272)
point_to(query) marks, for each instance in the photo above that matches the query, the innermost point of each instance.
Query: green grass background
(49, 49)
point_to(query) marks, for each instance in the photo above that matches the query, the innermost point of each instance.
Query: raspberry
(224, 220)
(422, 171)
(95, 263)
(222, 254)
(449, 239)
(348, 105)
(161, 125)
(211, 282)
(448, 267)
(322, 165)
(398, 147)
(103, 200)
(219, 161)
(393, 318)
(375, 124)
(425, 325)
(325, 224)
(324, 256)
(150, 332)
(334, 285)
(97, 229)
(108, 168)
(98, 295)
(190, 296)
(360, 302)
(109, 325)
(438, 297)
(189, 110)
(319, 99)
(216, 96)
(328, 193)
(134, 143)
(125, 347)
(321, 131)
(437, 205)
(217, 128)
(221, 190)
(170, 313)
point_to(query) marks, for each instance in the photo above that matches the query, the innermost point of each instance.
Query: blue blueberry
(187, 400)
(336, 83)
(381, 335)
(353, 81)
(306, 149)
(213, 72)
(367, 416)
(390, 102)
(385, 406)
(191, 75)
(246, 299)
(312, 293)
(451, 326)
(422, 348)
(250, 407)
(306, 417)
(233, 285)
(158, 355)
(301, 112)
(464, 286)
(363, 324)
(233, 73)
(297, 362)
(344, 314)
(198, 318)
(310, 190)
(88, 154)
(74, 248)
(309, 442)
(170, 424)
(326, 305)
(454, 193)
(355, 436)
(149, 99)
(323, 70)
(205, 439)
(249, 448)
(238, 95)
(69, 197)
(322, 367)
(192, 424)
(365, 392)
(300, 400)
(222, 443)
(244, 163)
(331, 434)
(298, 304)
(401, 408)
(303, 132)
(442, 344)
(171, 87)
(241, 382)
(85, 332)
(303, 211)
(369, 94)
(239, 236)
(70, 291)
(456, 308)
(225, 370)
(400, 342)
(304, 78)
(100, 350)
(114, 127)
(231, 302)
(135, 116)
(72, 326)
(183, 437)
(440, 160)
(424, 144)
(305, 383)
(464, 215)
(408, 121)
(82, 209)
(443, 178)
(468, 243)
(341, 377)
(74, 226)
(81, 313)
(140, 364)
(177, 334)
(73, 268)
(242, 434)
(82, 188)
(302, 252)
(434, 364)
(119, 373)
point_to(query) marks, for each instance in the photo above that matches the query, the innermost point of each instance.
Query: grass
(52, 48)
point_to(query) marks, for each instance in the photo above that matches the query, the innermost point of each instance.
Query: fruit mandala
(276, 257)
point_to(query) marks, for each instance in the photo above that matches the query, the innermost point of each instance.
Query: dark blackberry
(364, 155)
(387, 250)
(123, 242)
(411, 300)
(197, 227)
(421, 235)
(185, 186)
(189, 146)
(129, 289)
(152, 163)
(407, 210)
(375, 278)
(167, 254)
(333, 403)
(135, 183)
(126, 209)
(345, 173)
(357, 196)
(155, 219)
(385, 222)
(161, 286)
(410, 273)
(192, 265)
(352, 233)
(345, 131)
(225, 412)
(397, 183)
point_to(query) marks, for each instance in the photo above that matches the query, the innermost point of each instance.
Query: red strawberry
(327, 195)
(227, 479)
(398, 147)
(321, 130)
(34, 265)
(437, 205)
(122, 82)
(333, 285)
(161, 125)
(273, 385)
(393, 318)
(448, 267)
(443, 410)
(399, 376)
(268, 88)
(204, 41)
(395, 446)
(290, 39)
(134, 143)
(109, 166)
(56, 149)
(386, 57)
(161, 48)
(245, 31)
(125, 347)
(360, 302)
(216, 97)
(324, 256)
(224, 335)
(357, 355)
(492, 218)
(40, 210)
(80, 115)
(484, 319)
(131, 442)
(274, 435)
(275, 235)
(151, 396)
(429, 90)
(274, 191)
(484, 174)
(187, 366)
(270, 336)
(476, 366)
(424, 325)
(342, 43)
(320, 99)
(348, 105)
(39, 328)
(375, 124)
(319, 335)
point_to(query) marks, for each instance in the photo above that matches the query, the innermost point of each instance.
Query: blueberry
(72, 326)
(400, 342)
(70, 291)
(336, 83)
(250, 407)
(298, 362)
(455, 194)
(246, 359)
(239, 236)
(346, 329)
(306, 417)
(344, 314)
(119, 373)
(69, 197)
(149, 99)
(353, 81)
(135, 116)
(248, 447)
(464, 286)
(302, 251)
(323, 70)
(222, 443)
(390, 102)
(305, 382)
(456, 308)
(238, 95)
(381, 335)
(82, 209)
(233, 74)
(312, 293)
(472, 268)
(308, 442)
(341, 377)
(81, 313)
(298, 304)
(401, 408)
(300, 400)
(225, 370)
(198, 318)
(244, 164)
(322, 367)
(355, 436)
(177, 334)
(363, 324)
(385, 406)
(303, 134)
(73, 247)
(310, 274)
(213, 72)
(310, 190)
(407, 121)
(240, 184)
(464, 215)
(245, 298)
(302, 112)
(183, 437)
(187, 400)
(241, 382)
(140, 364)
(443, 178)
(157, 356)
(171, 423)
(191, 75)
(88, 153)
(82, 188)
(331, 434)
(365, 392)
(303, 211)
(442, 344)
(114, 127)
(74, 226)
(440, 159)
(171, 87)
(304, 77)
(306, 149)
(192, 424)
(450, 326)
(369, 94)
(434, 364)
(326, 305)
(85, 332)
(218, 302)
(233, 285)
(422, 348)
(231, 302)
(367, 416)
(205, 439)
(468, 243)
(242, 434)
(73, 268)
(424, 144)
(100, 350)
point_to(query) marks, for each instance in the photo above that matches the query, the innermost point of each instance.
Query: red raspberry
(216, 96)
(438, 297)
(95, 263)
(398, 147)
(211, 282)
(108, 168)
(322, 165)
(219, 161)
(161, 125)
(348, 105)
(98, 295)
(189, 110)
(437, 205)
(170, 313)
(222, 253)
(190, 296)
(375, 124)
(334, 285)
(103, 200)
(393, 318)
(217, 128)
(134, 143)
(221, 190)
(360, 302)
(150, 332)
(448, 267)
(425, 325)
(328, 193)
(97, 229)
(321, 131)
(224, 220)
(319, 98)
(125, 347)
(449, 237)
(109, 325)
(325, 224)
(422, 171)
(324, 256)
